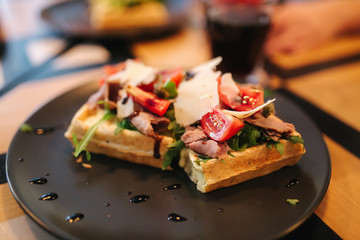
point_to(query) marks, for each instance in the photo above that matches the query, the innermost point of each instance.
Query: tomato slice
(250, 98)
(229, 93)
(147, 87)
(220, 126)
(249, 2)
(175, 75)
(238, 97)
(110, 70)
(148, 100)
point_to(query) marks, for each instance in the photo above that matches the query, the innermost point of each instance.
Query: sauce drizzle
(74, 217)
(171, 187)
(173, 217)
(39, 180)
(49, 196)
(293, 182)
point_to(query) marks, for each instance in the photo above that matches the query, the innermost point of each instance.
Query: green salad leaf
(295, 139)
(170, 88)
(250, 136)
(81, 146)
(172, 153)
(203, 159)
(124, 124)
(176, 130)
(26, 128)
(292, 201)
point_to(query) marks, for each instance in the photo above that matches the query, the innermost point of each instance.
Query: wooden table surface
(335, 90)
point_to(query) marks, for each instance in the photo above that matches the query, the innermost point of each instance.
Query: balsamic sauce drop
(49, 196)
(189, 75)
(171, 187)
(157, 147)
(74, 217)
(125, 100)
(173, 217)
(293, 182)
(44, 130)
(39, 180)
(139, 198)
(20, 159)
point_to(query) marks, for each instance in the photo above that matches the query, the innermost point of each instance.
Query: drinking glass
(237, 31)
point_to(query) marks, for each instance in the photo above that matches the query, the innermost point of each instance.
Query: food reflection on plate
(128, 19)
(123, 14)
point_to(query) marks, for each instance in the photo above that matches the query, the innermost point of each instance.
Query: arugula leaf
(172, 153)
(26, 128)
(295, 139)
(81, 146)
(293, 202)
(229, 153)
(203, 159)
(268, 110)
(248, 136)
(124, 124)
(170, 87)
(170, 113)
(176, 130)
(279, 147)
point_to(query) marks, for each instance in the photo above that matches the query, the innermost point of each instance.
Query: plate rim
(92, 85)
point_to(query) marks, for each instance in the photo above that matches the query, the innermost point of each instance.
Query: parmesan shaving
(125, 106)
(135, 73)
(245, 114)
(196, 97)
(210, 65)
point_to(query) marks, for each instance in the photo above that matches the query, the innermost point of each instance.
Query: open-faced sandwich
(127, 14)
(221, 132)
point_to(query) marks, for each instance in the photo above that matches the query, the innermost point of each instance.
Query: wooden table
(334, 90)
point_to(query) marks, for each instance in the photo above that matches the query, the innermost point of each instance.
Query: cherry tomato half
(148, 100)
(175, 75)
(229, 93)
(110, 70)
(220, 126)
(250, 98)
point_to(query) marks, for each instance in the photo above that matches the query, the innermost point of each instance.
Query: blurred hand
(300, 26)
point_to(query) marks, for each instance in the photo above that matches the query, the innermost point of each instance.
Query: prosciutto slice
(275, 127)
(210, 148)
(193, 134)
(145, 122)
(196, 139)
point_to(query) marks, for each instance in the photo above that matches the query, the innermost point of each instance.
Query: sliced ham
(209, 148)
(193, 134)
(108, 92)
(274, 126)
(96, 97)
(146, 122)
(196, 139)
(229, 92)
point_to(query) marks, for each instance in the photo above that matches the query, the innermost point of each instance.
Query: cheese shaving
(196, 97)
(245, 114)
(135, 73)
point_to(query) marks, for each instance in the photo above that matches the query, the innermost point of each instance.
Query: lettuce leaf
(250, 136)
(172, 153)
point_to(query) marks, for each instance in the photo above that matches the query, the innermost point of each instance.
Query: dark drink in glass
(237, 34)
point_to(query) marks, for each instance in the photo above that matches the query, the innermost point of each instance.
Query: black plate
(256, 209)
(72, 18)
